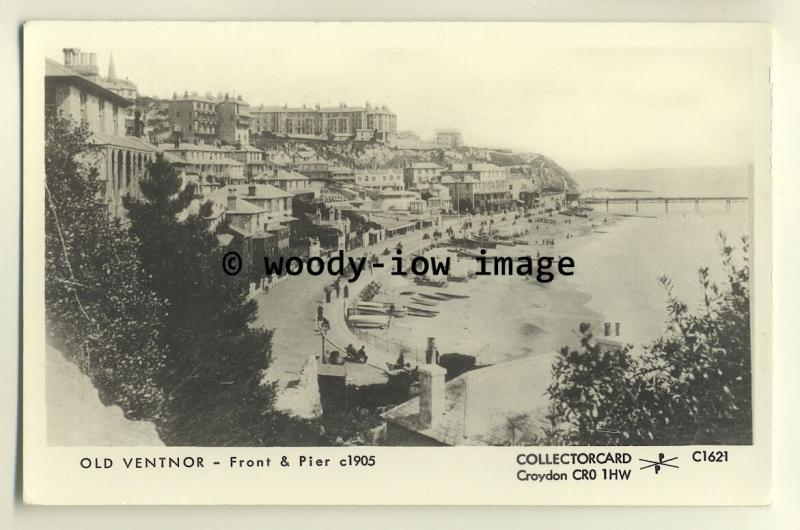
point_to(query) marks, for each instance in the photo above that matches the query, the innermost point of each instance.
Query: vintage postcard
(397, 263)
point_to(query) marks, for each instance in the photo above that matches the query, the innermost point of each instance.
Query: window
(84, 117)
(116, 118)
(101, 107)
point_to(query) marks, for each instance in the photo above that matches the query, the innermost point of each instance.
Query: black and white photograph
(264, 250)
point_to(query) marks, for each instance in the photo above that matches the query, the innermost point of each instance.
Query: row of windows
(374, 177)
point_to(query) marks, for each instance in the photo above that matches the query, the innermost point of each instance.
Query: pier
(666, 200)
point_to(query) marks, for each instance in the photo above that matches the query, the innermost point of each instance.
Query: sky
(596, 100)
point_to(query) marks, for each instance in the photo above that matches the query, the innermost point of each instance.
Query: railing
(388, 345)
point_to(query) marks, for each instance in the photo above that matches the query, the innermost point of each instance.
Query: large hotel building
(362, 123)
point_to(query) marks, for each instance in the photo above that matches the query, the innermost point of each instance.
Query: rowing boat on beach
(452, 295)
(368, 321)
(434, 296)
(420, 312)
(422, 301)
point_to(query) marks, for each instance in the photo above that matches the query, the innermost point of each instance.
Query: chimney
(251, 190)
(430, 357)
(431, 394)
(232, 199)
(69, 54)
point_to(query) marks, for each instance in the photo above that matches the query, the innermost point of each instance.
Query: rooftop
(127, 142)
(55, 72)
(282, 174)
(479, 403)
(188, 146)
(262, 191)
(242, 147)
(475, 167)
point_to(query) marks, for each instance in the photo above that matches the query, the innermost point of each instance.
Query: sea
(619, 269)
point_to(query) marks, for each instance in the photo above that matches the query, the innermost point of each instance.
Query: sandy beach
(503, 317)
(499, 318)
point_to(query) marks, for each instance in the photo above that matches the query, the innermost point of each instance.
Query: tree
(98, 308)
(691, 386)
(213, 375)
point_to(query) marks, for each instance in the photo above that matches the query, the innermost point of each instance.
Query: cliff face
(552, 176)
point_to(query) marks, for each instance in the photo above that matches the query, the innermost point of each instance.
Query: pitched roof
(243, 207)
(478, 403)
(262, 191)
(127, 142)
(243, 147)
(54, 72)
(475, 167)
(282, 174)
(188, 146)
(172, 158)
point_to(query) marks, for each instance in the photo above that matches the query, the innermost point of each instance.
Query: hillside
(375, 155)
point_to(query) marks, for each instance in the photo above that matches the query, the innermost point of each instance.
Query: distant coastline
(622, 190)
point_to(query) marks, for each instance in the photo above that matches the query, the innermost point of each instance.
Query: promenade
(290, 309)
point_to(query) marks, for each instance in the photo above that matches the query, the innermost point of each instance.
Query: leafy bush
(691, 386)
(99, 311)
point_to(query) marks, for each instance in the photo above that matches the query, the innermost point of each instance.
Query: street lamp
(324, 327)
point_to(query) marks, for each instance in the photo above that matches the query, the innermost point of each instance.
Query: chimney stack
(430, 352)
(232, 199)
(69, 55)
(138, 126)
(431, 394)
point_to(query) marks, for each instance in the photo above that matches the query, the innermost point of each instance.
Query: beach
(501, 318)
(504, 317)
